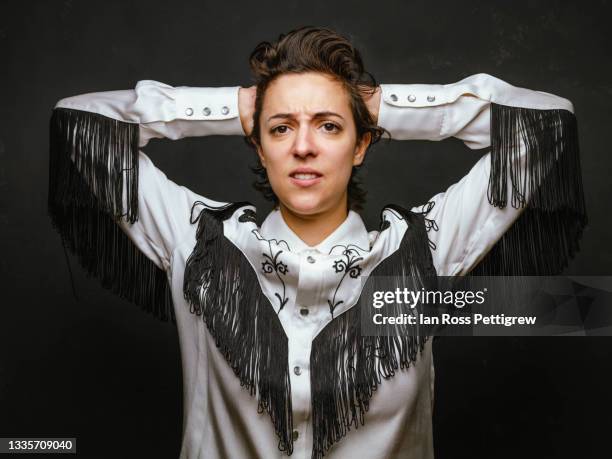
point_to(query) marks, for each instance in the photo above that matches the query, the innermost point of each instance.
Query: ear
(361, 148)
(262, 158)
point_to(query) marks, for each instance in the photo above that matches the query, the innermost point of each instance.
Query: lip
(304, 183)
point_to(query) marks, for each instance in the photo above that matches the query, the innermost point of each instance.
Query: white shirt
(220, 417)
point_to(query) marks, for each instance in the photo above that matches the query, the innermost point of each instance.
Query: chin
(304, 205)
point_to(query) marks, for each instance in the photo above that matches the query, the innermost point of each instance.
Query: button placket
(308, 287)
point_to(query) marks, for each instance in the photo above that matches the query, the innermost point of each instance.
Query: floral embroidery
(348, 265)
(272, 264)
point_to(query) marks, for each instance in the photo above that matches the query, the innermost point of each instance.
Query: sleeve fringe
(93, 163)
(547, 233)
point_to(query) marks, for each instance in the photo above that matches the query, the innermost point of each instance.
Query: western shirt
(220, 417)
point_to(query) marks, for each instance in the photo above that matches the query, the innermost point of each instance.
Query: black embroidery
(223, 211)
(271, 264)
(384, 223)
(429, 223)
(347, 265)
(248, 215)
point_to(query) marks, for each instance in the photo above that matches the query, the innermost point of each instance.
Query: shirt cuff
(412, 111)
(214, 111)
(435, 112)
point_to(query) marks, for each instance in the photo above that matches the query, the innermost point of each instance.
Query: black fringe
(547, 233)
(221, 285)
(88, 156)
(346, 367)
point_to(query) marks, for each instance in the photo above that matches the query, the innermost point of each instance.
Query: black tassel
(547, 233)
(221, 286)
(93, 163)
(346, 367)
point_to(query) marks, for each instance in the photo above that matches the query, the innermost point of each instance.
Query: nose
(304, 145)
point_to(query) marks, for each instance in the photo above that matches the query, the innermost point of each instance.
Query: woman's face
(309, 142)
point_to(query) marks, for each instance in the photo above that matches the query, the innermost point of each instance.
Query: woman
(279, 365)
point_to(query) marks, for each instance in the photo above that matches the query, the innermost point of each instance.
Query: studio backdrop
(77, 361)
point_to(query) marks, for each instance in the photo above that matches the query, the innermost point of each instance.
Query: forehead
(306, 92)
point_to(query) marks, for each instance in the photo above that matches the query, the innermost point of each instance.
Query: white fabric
(220, 417)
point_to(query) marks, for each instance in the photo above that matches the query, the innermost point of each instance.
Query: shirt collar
(351, 231)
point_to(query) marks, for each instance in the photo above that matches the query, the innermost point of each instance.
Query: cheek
(341, 161)
(275, 160)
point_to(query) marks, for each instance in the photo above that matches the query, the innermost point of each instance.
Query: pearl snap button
(297, 370)
(189, 111)
(224, 110)
(431, 98)
(296, 434)
(393, 97)
(304, 311)
(206, 111)
(310, 259)
(411, 98)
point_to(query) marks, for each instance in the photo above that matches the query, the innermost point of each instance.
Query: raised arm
(113, 208)
(520, 210)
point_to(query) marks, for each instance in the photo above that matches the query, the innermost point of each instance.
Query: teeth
(305, 176)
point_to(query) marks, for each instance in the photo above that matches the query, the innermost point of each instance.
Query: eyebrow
(323, 114)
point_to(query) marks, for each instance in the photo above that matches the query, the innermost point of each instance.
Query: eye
(331, 127)
(281, 129)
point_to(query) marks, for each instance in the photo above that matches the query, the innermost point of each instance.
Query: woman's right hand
(246, 108)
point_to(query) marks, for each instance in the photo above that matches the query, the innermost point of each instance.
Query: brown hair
(317, 49)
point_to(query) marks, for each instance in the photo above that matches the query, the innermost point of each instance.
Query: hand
(373, 103)
(246, 108)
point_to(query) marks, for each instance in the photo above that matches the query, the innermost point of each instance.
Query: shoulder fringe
(93, 162)
(221, 286)
(346, 367)
(547, 233)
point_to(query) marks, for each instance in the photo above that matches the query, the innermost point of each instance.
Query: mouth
(305, 177)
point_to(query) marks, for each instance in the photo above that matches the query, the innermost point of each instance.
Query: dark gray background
(102, 371)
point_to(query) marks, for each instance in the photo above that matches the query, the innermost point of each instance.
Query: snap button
(206, 111)
(310, 259)
(297, 370)
(431, 98)
(411, 98)
(304, 311)
(393, 97)
(295, 435)
(224, 110)
(189, 111)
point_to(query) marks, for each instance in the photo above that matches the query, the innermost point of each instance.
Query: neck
(313, 229)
